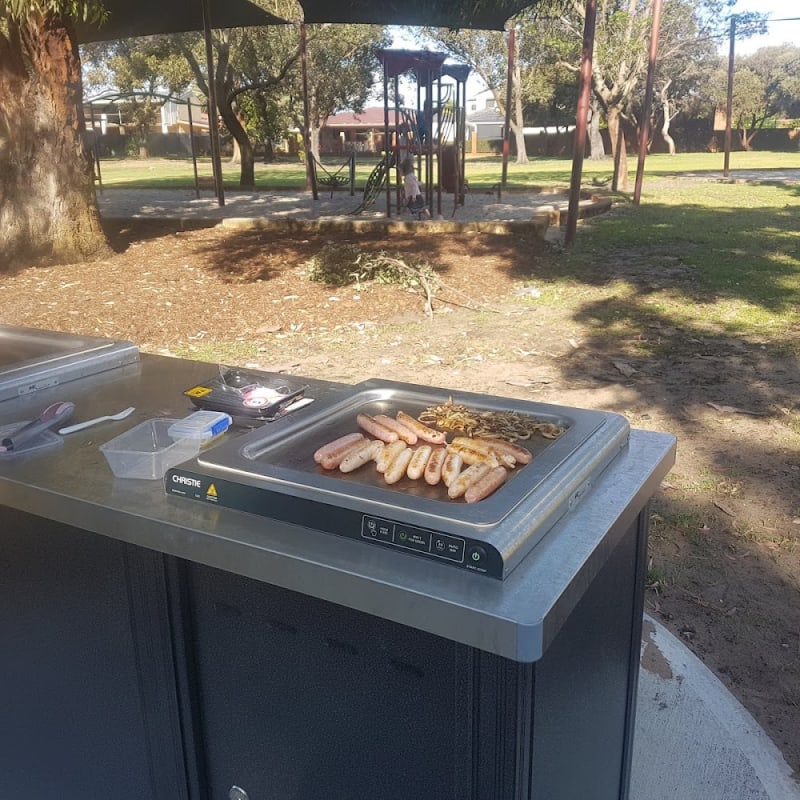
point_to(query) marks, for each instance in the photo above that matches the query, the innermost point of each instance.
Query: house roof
(486, 116)
(368, 118)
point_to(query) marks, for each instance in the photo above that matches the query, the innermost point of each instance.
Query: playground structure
(432, 133)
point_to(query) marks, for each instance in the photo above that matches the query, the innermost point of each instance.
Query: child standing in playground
(415, 202)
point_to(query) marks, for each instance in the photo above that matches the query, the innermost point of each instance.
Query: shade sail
(490, 15)
(148, 17)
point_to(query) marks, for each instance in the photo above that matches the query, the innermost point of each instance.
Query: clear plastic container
(147, 450)
(44, 441)
(201, 425)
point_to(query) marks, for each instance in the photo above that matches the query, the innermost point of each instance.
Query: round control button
(476, 555)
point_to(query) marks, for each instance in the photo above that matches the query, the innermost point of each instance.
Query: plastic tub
(148, 451)
(201, 425)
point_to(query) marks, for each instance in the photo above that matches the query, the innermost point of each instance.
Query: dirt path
(724, 548)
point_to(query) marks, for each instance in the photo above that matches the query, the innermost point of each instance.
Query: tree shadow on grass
(703, 254)
(725, 547)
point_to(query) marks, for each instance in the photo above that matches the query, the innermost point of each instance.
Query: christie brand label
(184, 481)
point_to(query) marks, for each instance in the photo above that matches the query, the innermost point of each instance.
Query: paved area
(694, 740)
(478, 206)
(184, 204)
(791, 176)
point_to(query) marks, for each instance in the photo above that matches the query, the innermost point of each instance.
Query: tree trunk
(314, 131)
(665, 126)
(518, 127)
(519, 139)
(746, 138)
(48, 208)
(663, 96)
(619, 149)
(247, 179)
(597, 149)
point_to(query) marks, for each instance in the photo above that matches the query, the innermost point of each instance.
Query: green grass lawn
(710, 256)
(481, 172)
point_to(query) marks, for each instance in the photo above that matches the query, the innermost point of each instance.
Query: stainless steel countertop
(515, 618)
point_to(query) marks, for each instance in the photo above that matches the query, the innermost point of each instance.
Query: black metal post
(95, 150)
(311, 172)
(213, 129)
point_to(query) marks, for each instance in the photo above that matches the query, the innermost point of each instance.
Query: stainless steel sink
(32, 359)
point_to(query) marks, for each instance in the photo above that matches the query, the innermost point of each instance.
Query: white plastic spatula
(79, 426)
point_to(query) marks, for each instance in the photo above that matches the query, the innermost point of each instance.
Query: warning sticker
(198, 391)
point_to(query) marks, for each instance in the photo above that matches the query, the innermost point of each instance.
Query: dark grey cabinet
(127, 673)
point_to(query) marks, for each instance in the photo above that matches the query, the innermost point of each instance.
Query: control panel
(473, 555)
(455, 549)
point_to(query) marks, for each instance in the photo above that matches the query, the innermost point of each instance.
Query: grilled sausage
(501, 446)
(360, 455)
(451, 467)
(330, 455)
(486, 484)
(473, 452)
(465, 480)
(397, 469)
(390, 450)
(433, 469)
(421, 429)
(403, 432)
(374, 428)
(416, 467)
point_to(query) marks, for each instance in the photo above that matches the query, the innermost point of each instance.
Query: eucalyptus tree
(251, 68)
(779, 66)
(766, 88)
(487, 53)
(690, 32)
(48, 208)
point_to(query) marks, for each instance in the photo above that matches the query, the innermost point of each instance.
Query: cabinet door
(75, 703)
(300, 698)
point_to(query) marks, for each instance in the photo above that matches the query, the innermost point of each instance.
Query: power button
(476, 557)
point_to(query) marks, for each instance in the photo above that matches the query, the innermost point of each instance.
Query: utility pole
(729, 105)
(509, 100)
(644, 131)
(581, 121)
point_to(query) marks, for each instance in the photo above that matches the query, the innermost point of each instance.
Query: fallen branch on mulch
(347, 264)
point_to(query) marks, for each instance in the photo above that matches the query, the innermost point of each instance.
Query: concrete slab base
(693, 739)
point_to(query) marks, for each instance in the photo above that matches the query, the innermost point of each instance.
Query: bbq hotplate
(271, 472)
(32, 359)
